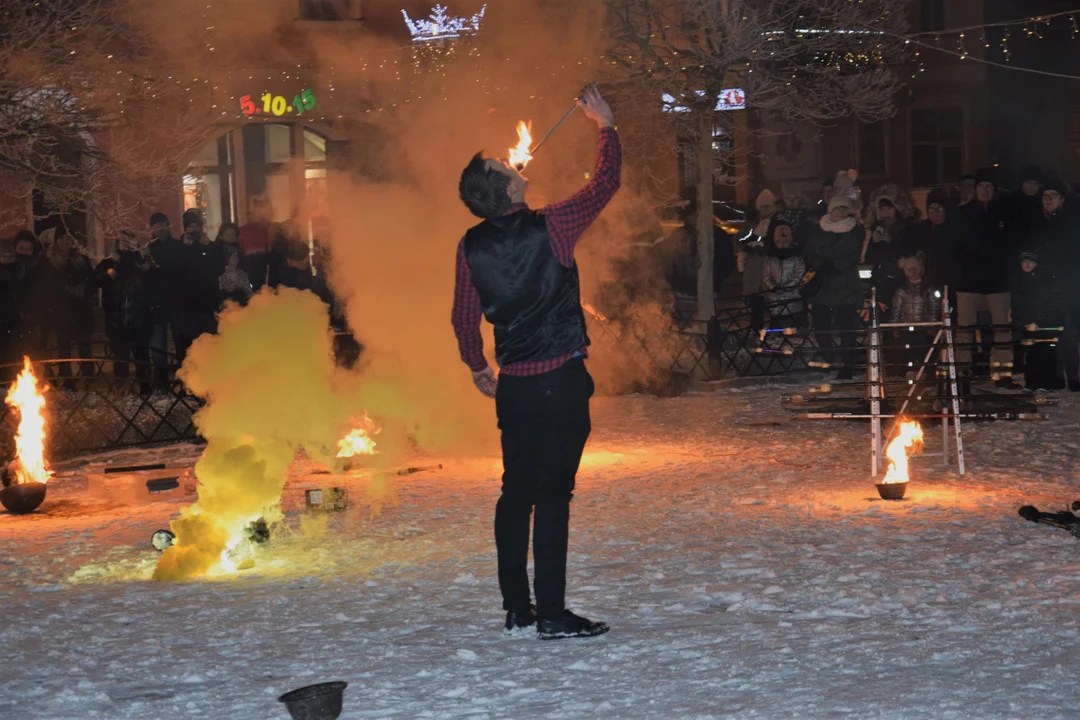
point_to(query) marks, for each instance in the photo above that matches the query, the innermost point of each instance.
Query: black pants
(544, 421)
(842, 318)
(190, 326)
(131, 345)
(73, 336)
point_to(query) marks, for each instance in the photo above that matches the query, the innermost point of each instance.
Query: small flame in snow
(359, 440)
(519, 156)
(24, 396)
(910, 438)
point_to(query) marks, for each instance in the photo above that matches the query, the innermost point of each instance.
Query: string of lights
(1028, 21)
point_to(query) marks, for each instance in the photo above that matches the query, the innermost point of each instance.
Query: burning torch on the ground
(24, 477)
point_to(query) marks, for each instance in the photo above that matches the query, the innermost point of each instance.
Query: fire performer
(517, 269)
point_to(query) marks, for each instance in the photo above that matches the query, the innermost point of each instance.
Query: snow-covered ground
(743, 560)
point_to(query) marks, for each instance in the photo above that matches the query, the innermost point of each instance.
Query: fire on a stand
(25, 477)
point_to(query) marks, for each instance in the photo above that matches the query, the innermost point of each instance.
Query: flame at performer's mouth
(519, 156)
(359, 440)
(910, 438)
(24, 396)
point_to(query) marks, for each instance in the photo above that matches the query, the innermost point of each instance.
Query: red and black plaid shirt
(566, 221)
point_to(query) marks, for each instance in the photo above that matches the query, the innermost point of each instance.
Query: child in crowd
(783, 272)
(234, 281)
(914, 302)
(1037, 303)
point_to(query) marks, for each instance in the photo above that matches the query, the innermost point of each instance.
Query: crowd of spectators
(1010, 261)
(157, 292)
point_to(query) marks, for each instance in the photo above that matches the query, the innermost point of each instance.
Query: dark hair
(157, 218)
(227, 226)
(191, 216)
(483, 190)
(27, 237)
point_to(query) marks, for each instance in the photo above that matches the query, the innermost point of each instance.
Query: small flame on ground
(593, 311)
(359, 440)
(910, 438)
(24, 396)
(519, 156)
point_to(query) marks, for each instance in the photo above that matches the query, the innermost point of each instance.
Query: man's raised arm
(566, 221)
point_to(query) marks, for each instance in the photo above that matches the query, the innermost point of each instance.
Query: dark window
(324, 10)
(931, 15)
(937, 145)
(873, 149)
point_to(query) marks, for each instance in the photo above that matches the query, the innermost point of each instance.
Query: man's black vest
(533, 302)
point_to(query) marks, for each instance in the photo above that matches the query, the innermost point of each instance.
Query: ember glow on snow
(909, 439)
(28, 400)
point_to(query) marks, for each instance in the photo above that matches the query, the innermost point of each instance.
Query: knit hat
(1031, 172)
(765, 197)
(938, 196)
(1028, 255)
(986, 174)
(191, 216)
(842, 200)
(158, 218)
(1057, 186)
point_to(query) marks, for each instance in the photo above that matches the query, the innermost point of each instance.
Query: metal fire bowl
(316, 702)
(23, 498)
(892, 491)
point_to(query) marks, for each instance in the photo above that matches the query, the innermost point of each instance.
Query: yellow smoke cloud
(271, 389)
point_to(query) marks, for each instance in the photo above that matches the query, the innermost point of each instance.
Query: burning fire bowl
(892, 491)
(315, 702)
(23, 498)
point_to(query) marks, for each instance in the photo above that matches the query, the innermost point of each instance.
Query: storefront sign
(277, 105)
(729, 99)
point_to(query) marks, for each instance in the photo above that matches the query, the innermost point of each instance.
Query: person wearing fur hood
(833, 252)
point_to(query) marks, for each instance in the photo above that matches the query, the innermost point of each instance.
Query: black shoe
(1074, 386)
(568, 626)
(520, 620)
(1006, 384)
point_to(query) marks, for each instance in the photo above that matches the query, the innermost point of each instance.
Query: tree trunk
(705, 244)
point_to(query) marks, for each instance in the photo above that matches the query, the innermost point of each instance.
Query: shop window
(209, 184)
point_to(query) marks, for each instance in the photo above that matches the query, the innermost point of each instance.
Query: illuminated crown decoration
(440, 26)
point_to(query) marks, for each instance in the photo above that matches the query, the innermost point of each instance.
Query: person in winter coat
(255, 238)
(201, 294)
(883, 250)
(125, 297)
(73, 310)
(1038, 304)
(984, 255)
(9, 309)
(782, 275)
(34, 289)
(935, 237)
(234, 281)
(914, 301)
(832, 253)
(1026, 204)
(295, 270)
(1056, 240)
(168, 257)
(751, 258)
